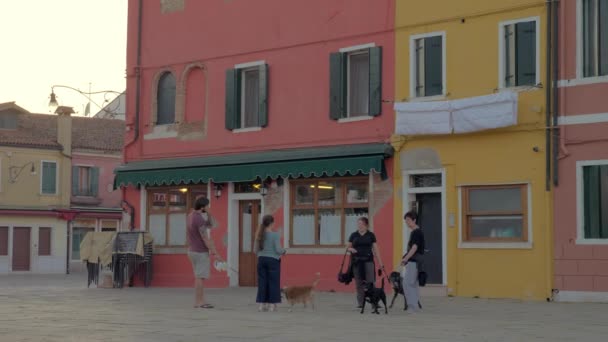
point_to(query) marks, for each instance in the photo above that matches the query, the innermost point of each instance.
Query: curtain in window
(304, 229)
(252, 96)
(358, 84)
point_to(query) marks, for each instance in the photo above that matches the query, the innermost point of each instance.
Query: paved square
(60, 308)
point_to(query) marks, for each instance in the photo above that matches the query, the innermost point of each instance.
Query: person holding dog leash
(362, 247)
(415, 251)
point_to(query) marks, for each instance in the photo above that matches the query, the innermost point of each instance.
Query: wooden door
(250, 214)
(21, 249)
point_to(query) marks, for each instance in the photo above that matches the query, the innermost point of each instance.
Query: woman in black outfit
(363, 247)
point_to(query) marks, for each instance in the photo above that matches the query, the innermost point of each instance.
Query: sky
(61, 42)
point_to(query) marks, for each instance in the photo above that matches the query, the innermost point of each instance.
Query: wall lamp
(15, 171)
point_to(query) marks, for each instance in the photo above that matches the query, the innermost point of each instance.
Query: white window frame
(242, 68)
(413, 59)
(56, 177)
(580, 203)
(501, 51)
(580, 78)
(496, 245)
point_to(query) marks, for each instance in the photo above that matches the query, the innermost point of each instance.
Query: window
(427, 65)
(80, 228)
(44, 241)
(247, 96)
(495, 213)
(109, 225)
(3, 240)
(325, 212)
(519, 53)
(356, 83)
(595, 38)
(48, 178)
(165, 97)
(85, 181)
(167, 212)
(595, 201)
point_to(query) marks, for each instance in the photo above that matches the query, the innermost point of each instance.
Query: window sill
(49, 195)
(582, 81)
(356, 119)
(495, 245)
(86, 200)
(580, 241)
(162, 132)
(246, 130)
(316, 251)
(520, 89)
(428, 98)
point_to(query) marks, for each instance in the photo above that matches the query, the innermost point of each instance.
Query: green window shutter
(94, 181)
(75, 180)
(263, 101)
(433, 66)
(337, 86)
(49, 178)
(603, 45)
(525, 51)
(233, 99)
(375, 81)
(595, 201)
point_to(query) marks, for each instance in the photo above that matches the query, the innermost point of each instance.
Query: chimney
(64, 128)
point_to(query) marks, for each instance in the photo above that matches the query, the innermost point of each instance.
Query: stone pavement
(61, 308)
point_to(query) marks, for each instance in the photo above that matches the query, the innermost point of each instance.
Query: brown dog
(301, 294)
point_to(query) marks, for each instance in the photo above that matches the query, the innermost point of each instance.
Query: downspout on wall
(548, 87)
(137, 74)
(555, 58)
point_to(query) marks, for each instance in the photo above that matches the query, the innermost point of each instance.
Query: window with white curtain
(325, 212)
(358, 83)
(250, 100)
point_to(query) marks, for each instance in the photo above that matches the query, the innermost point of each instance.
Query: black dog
(397, 284)
(374, 295)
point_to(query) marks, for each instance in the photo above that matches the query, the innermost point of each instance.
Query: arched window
(165, 112)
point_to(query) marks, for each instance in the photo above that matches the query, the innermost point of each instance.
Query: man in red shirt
(200, 245)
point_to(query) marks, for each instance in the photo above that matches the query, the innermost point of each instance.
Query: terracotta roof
(40, 131)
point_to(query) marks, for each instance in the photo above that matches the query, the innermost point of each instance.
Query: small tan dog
(301, 294)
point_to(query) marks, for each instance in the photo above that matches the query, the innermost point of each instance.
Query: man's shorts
(200, 264)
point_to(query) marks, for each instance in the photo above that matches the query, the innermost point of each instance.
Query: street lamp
(53, 103)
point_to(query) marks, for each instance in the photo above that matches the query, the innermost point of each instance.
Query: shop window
(168, 209)
(325, 212)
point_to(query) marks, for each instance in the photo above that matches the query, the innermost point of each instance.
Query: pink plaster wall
(577, 267)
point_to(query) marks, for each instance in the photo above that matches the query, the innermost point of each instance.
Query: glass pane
(247, 228)
(247, 187)
(330, 226)
(330, 194)
(177, 229)
(358, 84)
(252, 98)
(159, 200)
(356, 193)
(157, 226)
(196, 194)
(484, 200)
(78, 234)
(177, 200)
(303, 227)
(497, 227)
(351, 216)
(426, 181)
(304, 194)
(590, 31)
(419, 67)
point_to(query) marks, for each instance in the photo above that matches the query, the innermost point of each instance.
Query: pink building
(269, 108)
(581, 198)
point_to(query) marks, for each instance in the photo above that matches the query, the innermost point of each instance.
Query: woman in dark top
(415, 248)
(363, 247)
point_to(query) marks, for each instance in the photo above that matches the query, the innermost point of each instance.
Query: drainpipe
(562, 106)
(548, 99)
(137, 74)
(69, 249)
(555, 57)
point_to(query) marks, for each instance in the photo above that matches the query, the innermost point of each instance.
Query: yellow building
(470, 144)
(34, 185)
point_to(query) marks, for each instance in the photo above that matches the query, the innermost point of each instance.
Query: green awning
(292, 163)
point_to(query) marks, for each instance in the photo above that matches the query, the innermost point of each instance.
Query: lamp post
(53, 103)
